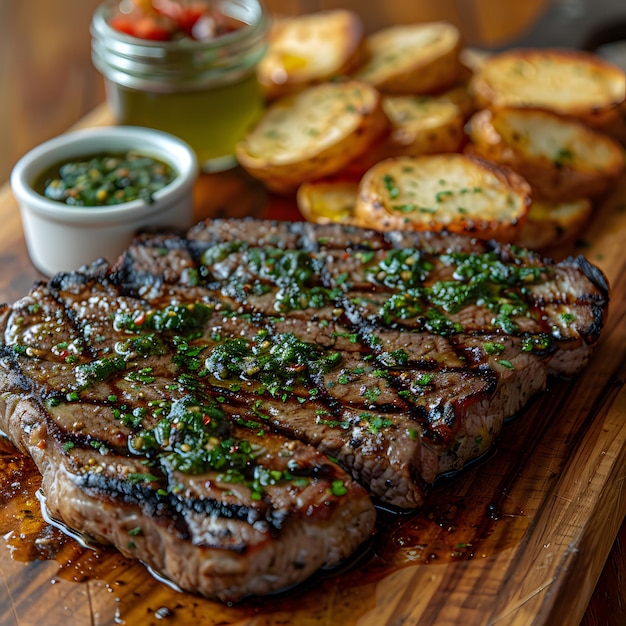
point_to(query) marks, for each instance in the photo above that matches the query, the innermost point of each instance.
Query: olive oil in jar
(212, 122)
(204, 91)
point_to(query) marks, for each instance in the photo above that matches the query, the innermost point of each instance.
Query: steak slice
(224, 397)
(132, 454)
(442, 337)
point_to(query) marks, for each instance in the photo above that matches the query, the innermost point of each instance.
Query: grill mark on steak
(399, 355)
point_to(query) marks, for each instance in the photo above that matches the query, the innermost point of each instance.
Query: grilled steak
(223, 404)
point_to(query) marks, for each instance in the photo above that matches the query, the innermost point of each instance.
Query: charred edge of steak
(599, 301)
(11, 377)
(593, 273)
(97, 270)
(167, 506)
(157, 259)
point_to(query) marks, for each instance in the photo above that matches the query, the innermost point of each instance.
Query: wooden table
(540, 516)
(557, 478)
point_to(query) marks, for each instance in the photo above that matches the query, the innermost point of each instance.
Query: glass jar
(205, 92)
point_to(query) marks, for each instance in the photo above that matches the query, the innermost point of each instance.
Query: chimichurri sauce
(105, 179)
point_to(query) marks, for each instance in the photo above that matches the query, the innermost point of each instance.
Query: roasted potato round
(312, 134)
(453, 192)
(567, 82)
(310, 48)
(560, 158)
(412, 58)
(616, 128)
(418, 125)
(423, 125)
(553, 223)
(328, 201)
(460, 95)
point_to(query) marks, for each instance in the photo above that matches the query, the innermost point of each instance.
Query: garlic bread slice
(310, 48)
(552, 224)
(567, 82)
(328, 201)
(562, 159)
(312, 134)
(453, 192)
(412, 58)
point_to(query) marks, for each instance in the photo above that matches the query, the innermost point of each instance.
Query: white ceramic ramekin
(63, 238)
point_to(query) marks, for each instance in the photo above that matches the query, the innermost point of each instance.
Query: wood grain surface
(543, 512)
(520, 539)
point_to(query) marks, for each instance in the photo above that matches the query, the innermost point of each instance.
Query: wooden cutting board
(519, 538)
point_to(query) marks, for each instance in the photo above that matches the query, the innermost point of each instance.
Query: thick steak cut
(221, 404)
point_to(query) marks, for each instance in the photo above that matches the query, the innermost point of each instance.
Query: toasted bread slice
(312, 134)
(310, 48)
(328, 201)
(413, 58)
(561, 158)
(554, 223)
(568, 82)
(453, 192)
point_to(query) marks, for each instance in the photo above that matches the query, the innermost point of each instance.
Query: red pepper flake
(63, 354)
(346, 256)
(42, 444)
(140, 319)
(206, 420)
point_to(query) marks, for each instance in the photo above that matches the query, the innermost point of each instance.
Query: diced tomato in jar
(138, 24)
(167, 20)
(184, 15)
